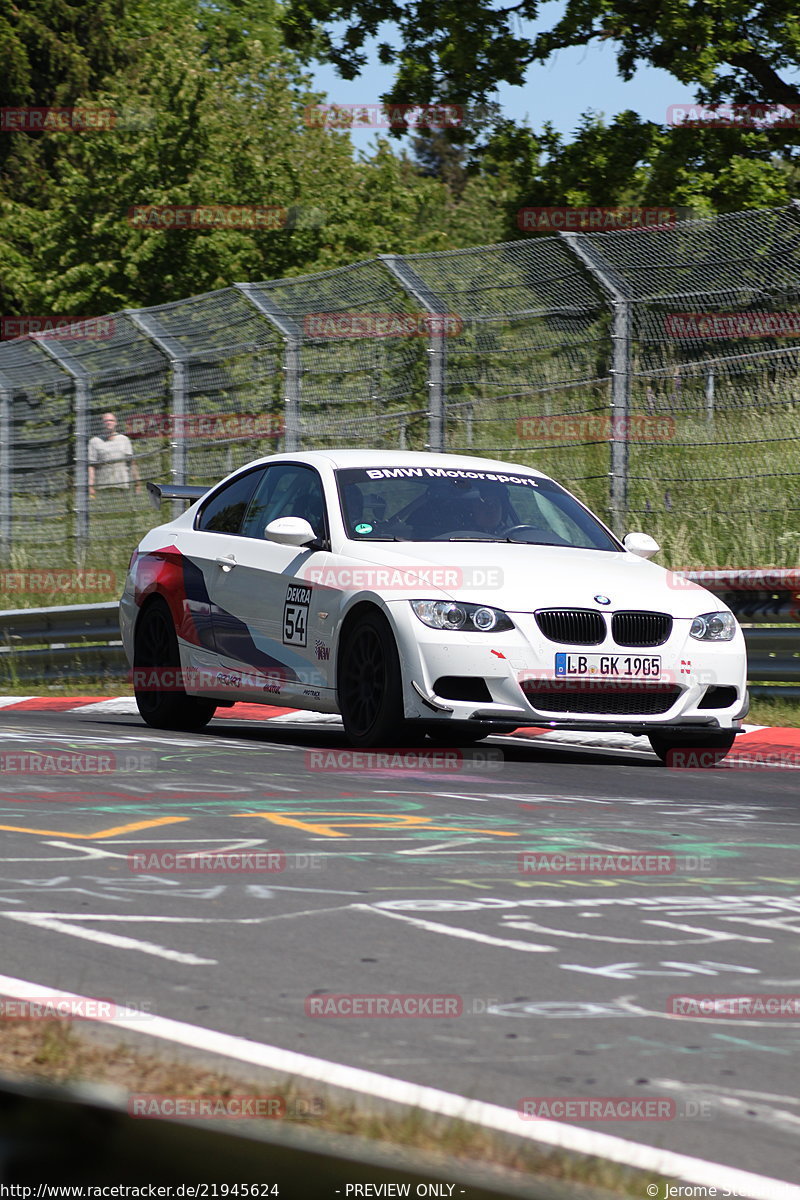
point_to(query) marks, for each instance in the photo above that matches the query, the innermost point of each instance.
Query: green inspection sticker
(363, 528)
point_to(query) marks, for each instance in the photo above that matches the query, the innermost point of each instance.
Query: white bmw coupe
(423, 594)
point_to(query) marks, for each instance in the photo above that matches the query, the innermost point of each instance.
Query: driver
(487, 512)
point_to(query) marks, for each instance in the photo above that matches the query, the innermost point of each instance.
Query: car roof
(400, 458)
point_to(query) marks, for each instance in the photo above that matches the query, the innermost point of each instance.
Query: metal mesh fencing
(656, 372)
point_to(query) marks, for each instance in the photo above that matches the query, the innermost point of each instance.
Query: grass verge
(61, 1052)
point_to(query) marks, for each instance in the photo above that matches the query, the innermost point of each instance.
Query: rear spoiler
(175, 491)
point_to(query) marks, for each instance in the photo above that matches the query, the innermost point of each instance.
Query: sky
(560, 91)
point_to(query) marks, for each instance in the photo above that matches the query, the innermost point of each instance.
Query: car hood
(520, 578)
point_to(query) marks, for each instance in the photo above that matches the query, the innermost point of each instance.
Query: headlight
(444, 614)
(714, 627)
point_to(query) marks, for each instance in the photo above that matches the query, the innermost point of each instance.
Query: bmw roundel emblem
(602, 599)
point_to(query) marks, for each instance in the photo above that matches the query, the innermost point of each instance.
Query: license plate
(609, 666)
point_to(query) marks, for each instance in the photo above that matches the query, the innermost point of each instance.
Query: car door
(271, 622)
(202, 551)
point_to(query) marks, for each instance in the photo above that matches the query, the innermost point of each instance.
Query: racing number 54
(295, 615)
(294, 624)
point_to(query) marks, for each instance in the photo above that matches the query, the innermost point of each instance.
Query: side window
(286, 490)
(224, 512)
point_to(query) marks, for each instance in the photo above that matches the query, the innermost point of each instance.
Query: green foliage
(206, 115)
(730, 49)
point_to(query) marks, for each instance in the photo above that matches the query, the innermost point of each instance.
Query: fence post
(176, 355)
(614, 285)
(82, 381)
(416, 287)
(709, 394)
(292, 335)
(6, 468)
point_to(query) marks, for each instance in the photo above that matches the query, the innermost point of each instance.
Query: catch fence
(654, 371)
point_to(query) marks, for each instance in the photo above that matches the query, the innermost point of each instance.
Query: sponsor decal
(448, 473)
(322, 651)
(295, 617)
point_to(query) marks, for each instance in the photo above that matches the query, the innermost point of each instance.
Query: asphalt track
(406, 879)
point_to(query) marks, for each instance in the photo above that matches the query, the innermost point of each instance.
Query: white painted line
(43, 921)
(454, 931)
(696, 1171)
(5, 701)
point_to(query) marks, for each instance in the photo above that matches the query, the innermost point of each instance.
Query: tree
(234, 133)
(452, 52)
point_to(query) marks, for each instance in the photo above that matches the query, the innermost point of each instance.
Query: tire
(458, 733)
(692, 749)
(369, 686)
(156, 647)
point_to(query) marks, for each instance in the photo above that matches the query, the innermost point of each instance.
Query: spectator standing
(111, 463)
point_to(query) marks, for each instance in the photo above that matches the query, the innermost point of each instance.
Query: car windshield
(425, 504)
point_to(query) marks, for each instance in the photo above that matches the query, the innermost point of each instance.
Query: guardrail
(84, 640)
(763, 596)
(81, 640)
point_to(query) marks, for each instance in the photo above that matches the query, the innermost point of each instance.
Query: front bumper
(499, 663)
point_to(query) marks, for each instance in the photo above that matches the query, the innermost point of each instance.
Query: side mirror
(290, 531)
(641, 544)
